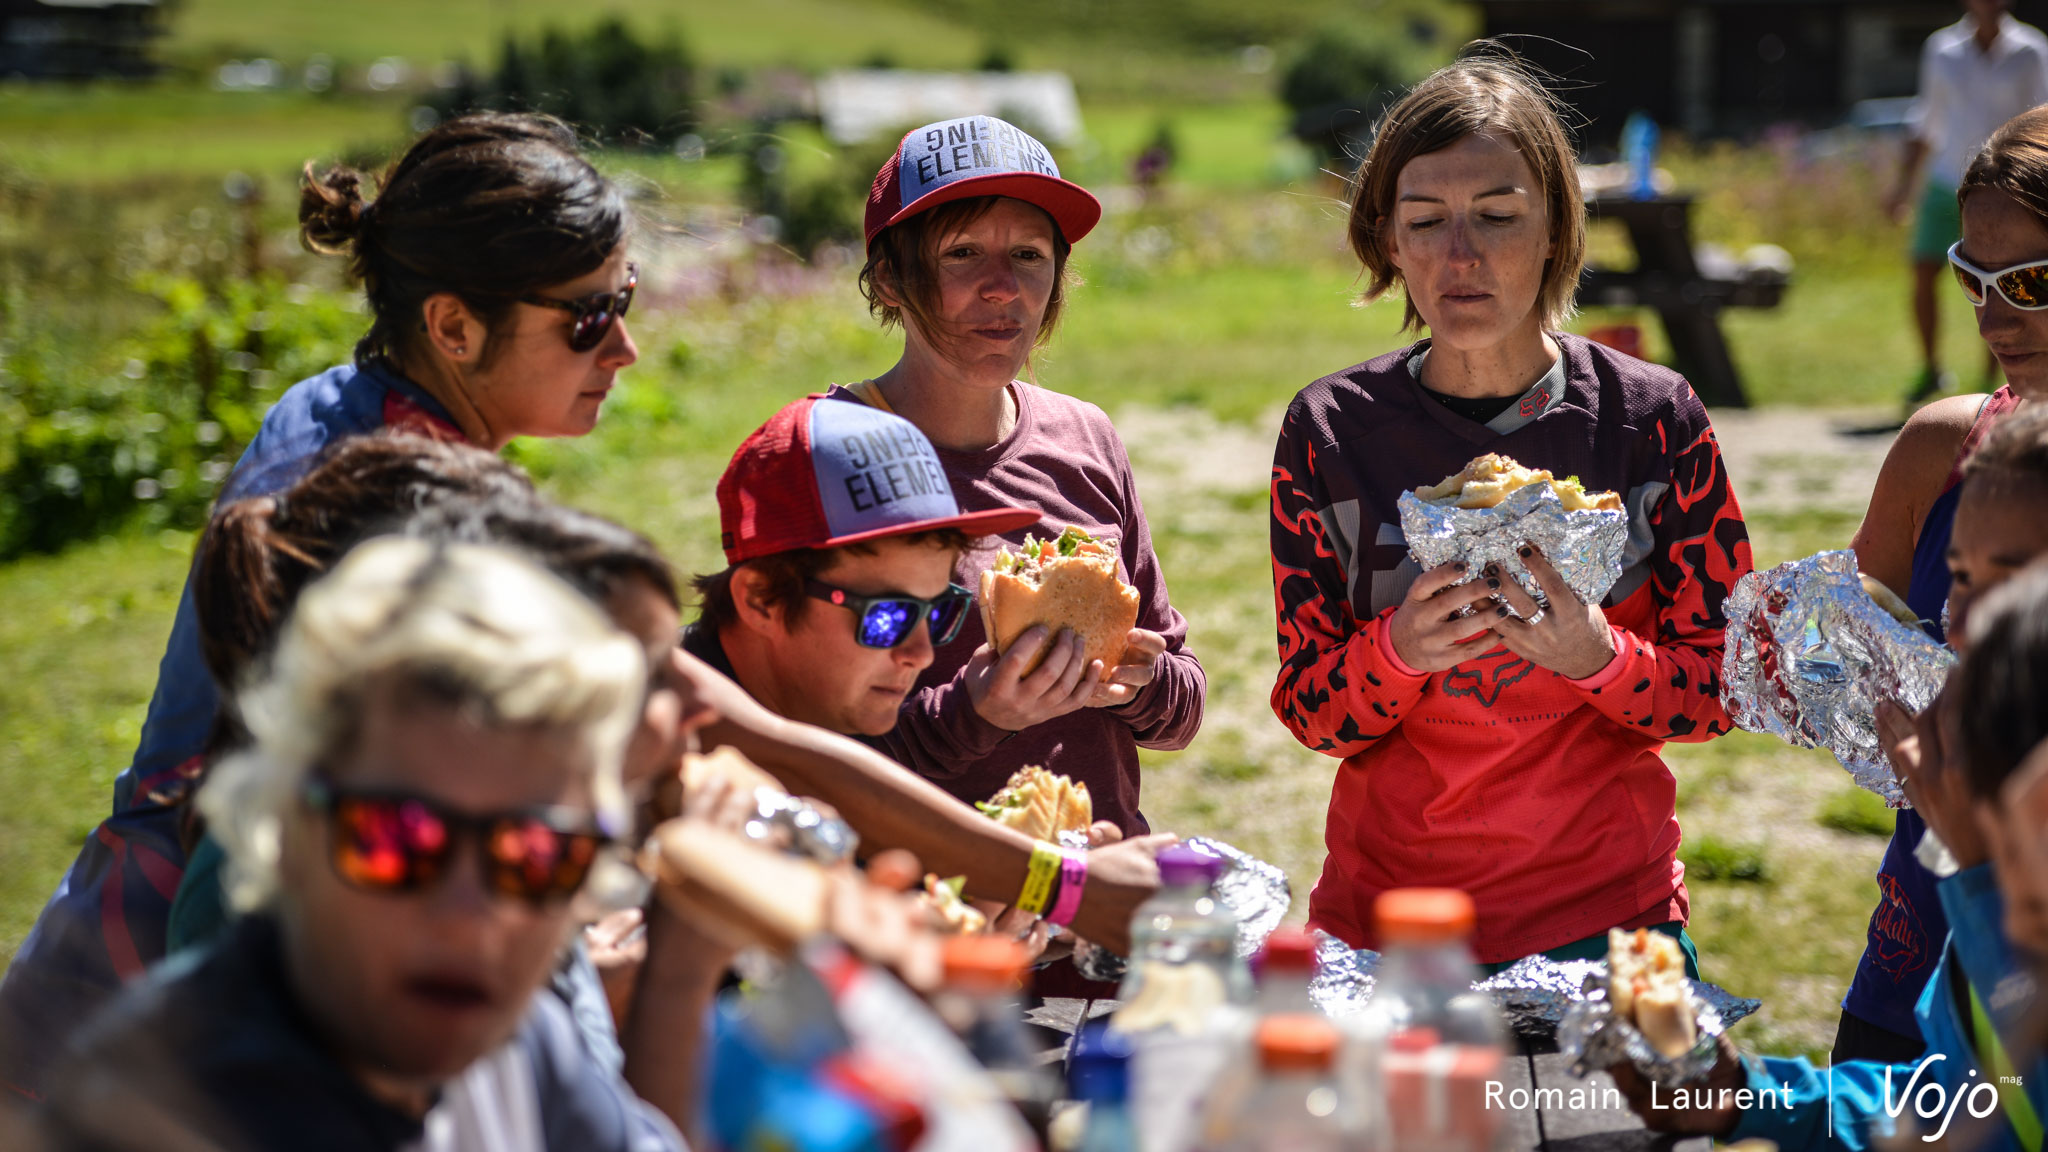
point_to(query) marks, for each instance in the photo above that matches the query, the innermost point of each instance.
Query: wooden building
(1725, 67)
(78, 39)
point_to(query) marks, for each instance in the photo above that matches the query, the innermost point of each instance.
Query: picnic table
(1688, 300)
(1594, 1120)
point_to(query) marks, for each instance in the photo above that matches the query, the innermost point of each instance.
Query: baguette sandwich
(740, 891)
(1067, 582)
(1889, 601)
(1646, 984)
(1489, 479)
(1041, 805)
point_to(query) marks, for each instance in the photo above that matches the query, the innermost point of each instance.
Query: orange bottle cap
(985, 963)
(1295, 1041)
(1423, 915)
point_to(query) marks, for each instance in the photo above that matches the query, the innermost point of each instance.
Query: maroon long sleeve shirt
(1064, 459)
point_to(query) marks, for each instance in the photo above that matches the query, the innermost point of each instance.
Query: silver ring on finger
(1535, 617)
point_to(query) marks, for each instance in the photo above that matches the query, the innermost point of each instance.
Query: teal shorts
(1595, 948)
(1937, 224)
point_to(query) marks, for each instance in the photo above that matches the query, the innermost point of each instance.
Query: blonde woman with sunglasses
(434, 769)
(2001, 267)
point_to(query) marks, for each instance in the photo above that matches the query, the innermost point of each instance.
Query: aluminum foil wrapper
(1344, 977)
(1256, 892)
(1585, 547)
(801, 827)
(1809, 654)
(1534, 994)
(1597, 1037)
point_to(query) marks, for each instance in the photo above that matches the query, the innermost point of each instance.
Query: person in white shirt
(1975, 75)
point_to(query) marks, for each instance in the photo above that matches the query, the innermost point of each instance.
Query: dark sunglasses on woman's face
(384, 840)
(2024, 286)
(886, 621)
(594, 313)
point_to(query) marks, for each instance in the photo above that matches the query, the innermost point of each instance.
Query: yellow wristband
(1038, 878)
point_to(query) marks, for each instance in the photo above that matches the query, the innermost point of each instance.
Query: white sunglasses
(2024, 286)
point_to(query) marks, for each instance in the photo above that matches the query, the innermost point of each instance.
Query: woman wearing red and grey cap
(968, 229)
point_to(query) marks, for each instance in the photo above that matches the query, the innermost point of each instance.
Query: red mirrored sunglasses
(392, 841)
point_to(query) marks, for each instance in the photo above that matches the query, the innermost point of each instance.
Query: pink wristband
(1073, 878)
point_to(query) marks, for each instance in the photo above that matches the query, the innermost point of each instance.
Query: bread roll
(1069, 583)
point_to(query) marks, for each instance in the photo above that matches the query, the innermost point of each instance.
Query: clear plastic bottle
(1099, 1074)
(981, 1001)
(1183, 998)
(1285, 966)
(1296, 1104)
(1437, 1041)
(1184, 926)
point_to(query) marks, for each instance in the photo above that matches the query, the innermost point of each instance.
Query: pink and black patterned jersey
(1542, 796)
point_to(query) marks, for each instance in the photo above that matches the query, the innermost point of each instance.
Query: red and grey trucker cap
(824, 473)
(976, 156)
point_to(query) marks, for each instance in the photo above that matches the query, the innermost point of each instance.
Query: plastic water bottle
(1099, 1074)
(981, 1002)
(1639, 152)
(1297, 1103)
(1285, 965)
(1437, 1041)
(1183, 999)
(1184, 926)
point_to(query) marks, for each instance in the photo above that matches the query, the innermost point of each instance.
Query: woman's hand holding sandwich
(1134, 670)
(1009, 698)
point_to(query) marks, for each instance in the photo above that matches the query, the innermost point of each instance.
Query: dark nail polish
(1501, 611)
(1459, 565)
(1526, 550)
(1493, 581)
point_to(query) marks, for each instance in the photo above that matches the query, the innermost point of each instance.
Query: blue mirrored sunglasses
(886, 621)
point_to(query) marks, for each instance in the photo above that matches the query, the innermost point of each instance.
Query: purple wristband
(1073, 878)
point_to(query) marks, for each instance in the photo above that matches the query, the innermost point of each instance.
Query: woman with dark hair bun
(494, 261)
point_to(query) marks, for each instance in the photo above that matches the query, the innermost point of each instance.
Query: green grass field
(1198, 317)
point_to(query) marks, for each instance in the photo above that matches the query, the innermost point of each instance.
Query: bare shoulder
(1926, 447)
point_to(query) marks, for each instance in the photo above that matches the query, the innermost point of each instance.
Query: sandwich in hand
(1065, 583)
(739, 891)
(955, 916)
(1489, 479)
(1646, 984)
(1041, 805)
(1889, 601)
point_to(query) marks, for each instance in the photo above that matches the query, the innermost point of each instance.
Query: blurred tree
(606, 81)
(1339, 83)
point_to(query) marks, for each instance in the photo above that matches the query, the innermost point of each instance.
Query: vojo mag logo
(1932, 1100)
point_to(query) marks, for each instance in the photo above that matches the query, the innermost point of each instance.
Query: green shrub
(1711, 858)
(83, 451)
(1857, 811)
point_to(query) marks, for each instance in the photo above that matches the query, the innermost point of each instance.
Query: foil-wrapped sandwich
(1643, 1011)
(1812, 646)
(1485, 513)
(1647, 986)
